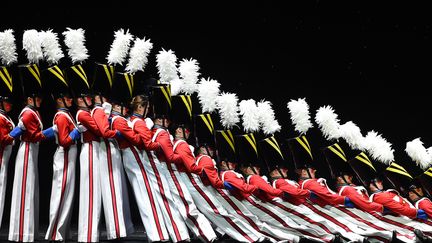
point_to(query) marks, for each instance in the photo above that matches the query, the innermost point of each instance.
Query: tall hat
(7, 87)
(160, 98)
(299, 146)
(77, 74)
(421, 170)
(29, 74)
(56, 82)
(225, 145)
(337, 161)
(271, 153)
(204, 129)
(31, 80)
(137, 62)
(398, 177)
(103, 79)
(181, 112)
(301, 152)
(8, 56)
(104, 73)
(246, 149)
(123, 84)
(363, 168)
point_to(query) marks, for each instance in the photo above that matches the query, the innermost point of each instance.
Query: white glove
(54, 127)
(81, 128)
(192, 148)
(149, 122)
(107, 108)
(21, 125)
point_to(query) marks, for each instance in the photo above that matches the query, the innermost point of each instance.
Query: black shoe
(421, 237)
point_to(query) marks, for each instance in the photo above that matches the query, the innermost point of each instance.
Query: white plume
(32, 45)
(267, 118)
(227, 105)
(189, 72)
(250, 115)
(208, 90)
(51, 47)
(138, 55)
(120, 47)
(328, 122)
(8, 53)
(75, 42)
(379, 148)
(352, 135)
(176, 86)
(300, 117)
(418, 153)
(167, 66)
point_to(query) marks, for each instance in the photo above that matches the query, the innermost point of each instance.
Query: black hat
(181, 112)
(337, 161)
(160, 98)
(246, 149)
(301, 152)
(271, 152)
(78, 80)
(103, 79)
(141, 87)
(225, 145)
(204, 129)
(425, 180)
(56, 82)
(363, 168)
(31, 81)
(123, 85)
(398, 177)
(6, 83)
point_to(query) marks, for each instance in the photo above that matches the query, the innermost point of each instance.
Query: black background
(371, 62)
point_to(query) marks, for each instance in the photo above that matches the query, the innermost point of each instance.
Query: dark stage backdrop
(371, 63)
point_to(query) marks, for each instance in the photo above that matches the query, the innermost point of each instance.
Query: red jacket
(426, 205)
(265, 191)
(359, 197)
(206, 168)
(393, 201)
(65, 124)
(325, 195)
(101, 120)
(166, 153)
(33, 124)
(242, 189)
(187, 163)
(140, 127)
(85, 119)
(297, 195)
(6, 125)
(130, 137)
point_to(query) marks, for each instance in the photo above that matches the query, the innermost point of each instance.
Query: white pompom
(352, 135)
(32, 45)
(250, 116)
(167, 66)
(418, 153)
(227, 105)
(189, 72)
(328, 122)
(51, 47)
(176, 86)
(8, 53)
(378, 147)
(208, 90)
(75, 41)
(267, 118)
(120, 47)
(138, 55)
(300, 118)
